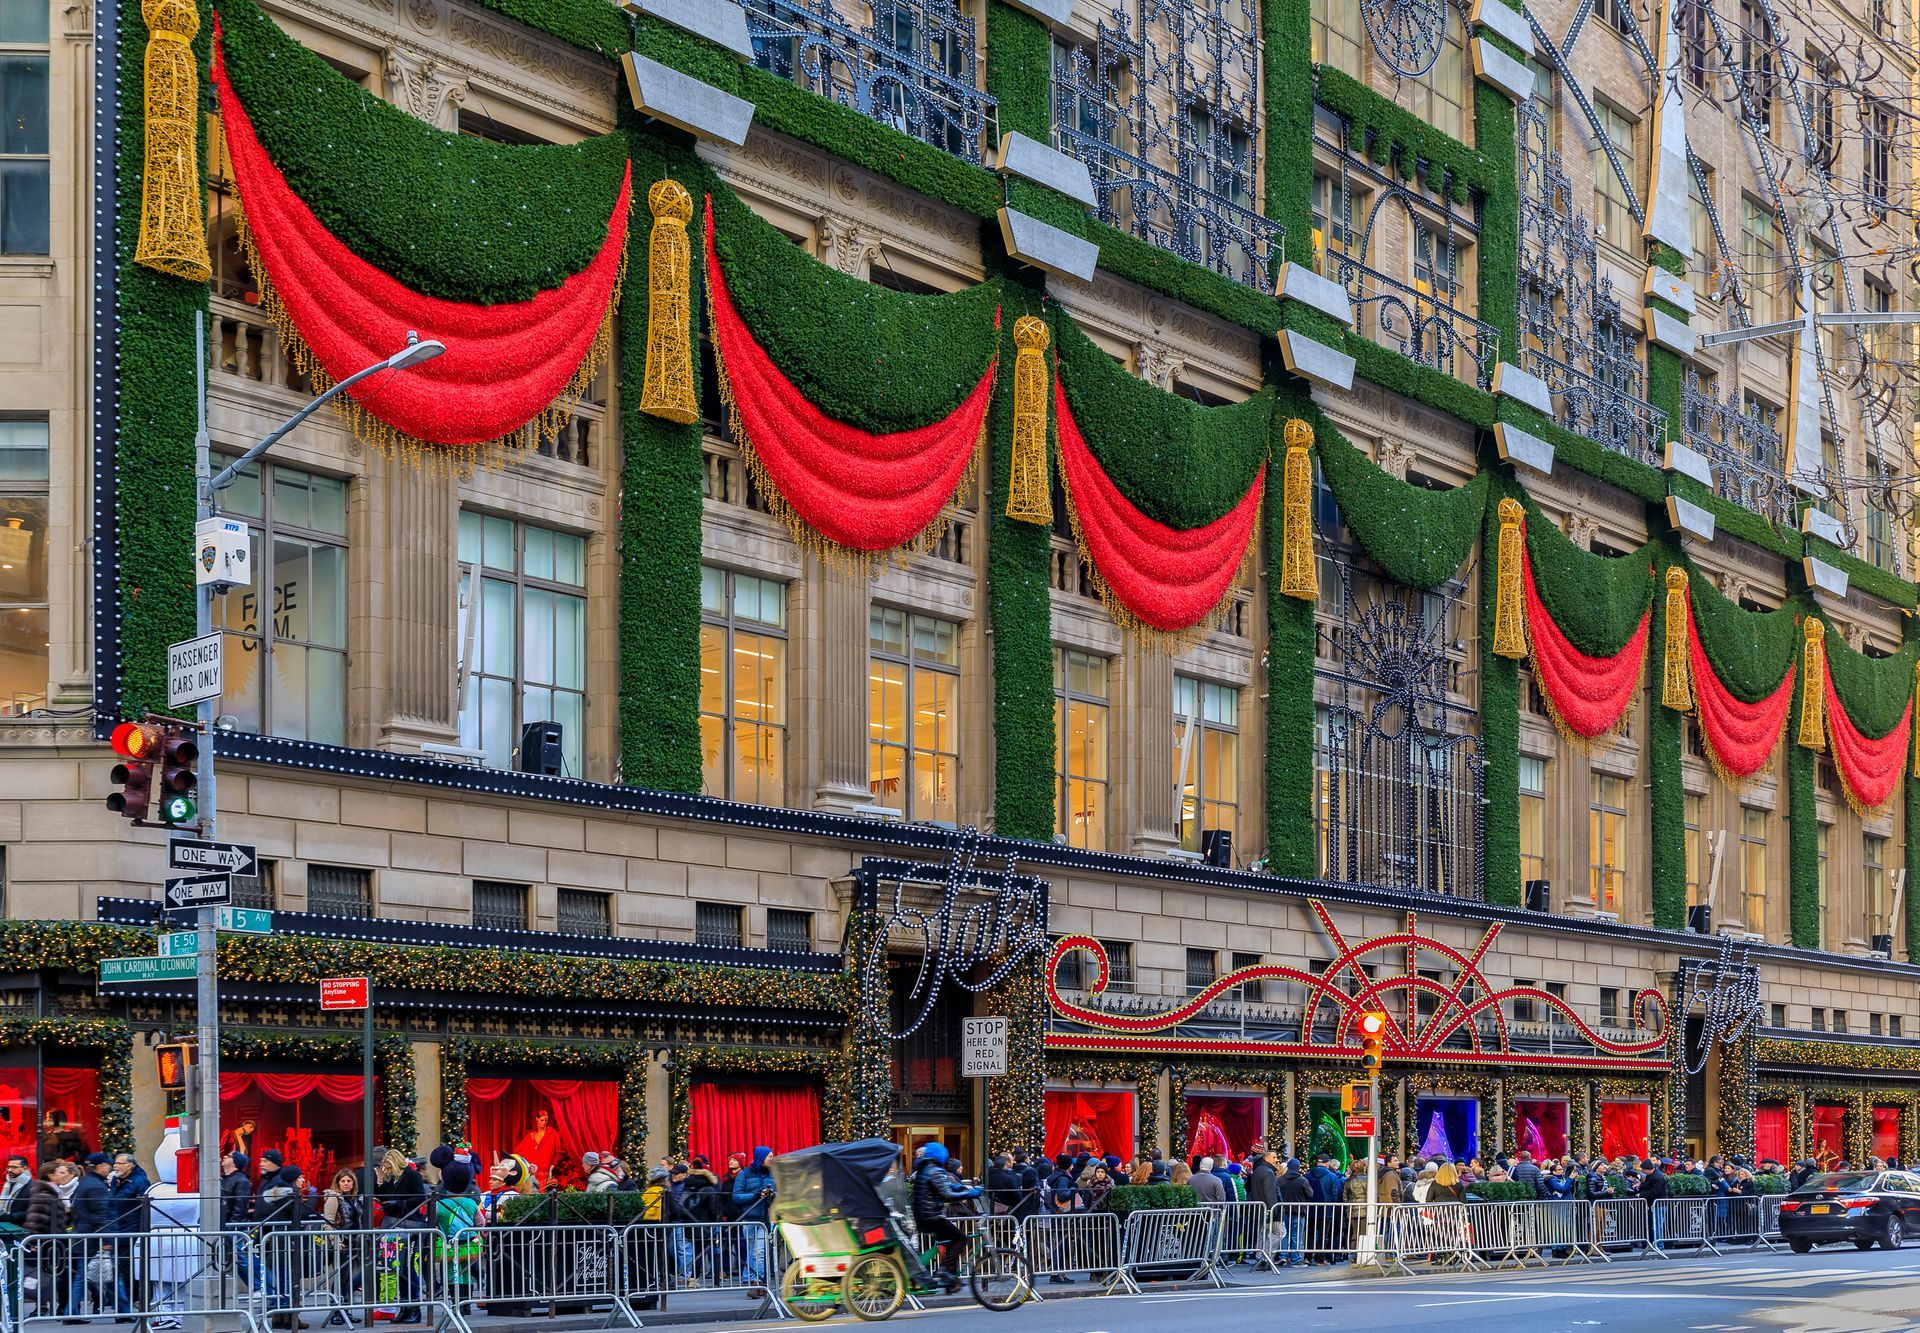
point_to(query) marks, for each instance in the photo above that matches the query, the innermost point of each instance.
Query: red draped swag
(1097, 1123)
(1740, 736)
(1829, 1134)
(1770, 1132)
(313, 1119)
(1541, 1128)
(1886, 1132)
(1870, 768)
(1221, 1127)
(1623, 1130)
(504, 364)
(728, 1118)
(1589, 695)
(582, 1116)
(1169, 579)
(859, 490)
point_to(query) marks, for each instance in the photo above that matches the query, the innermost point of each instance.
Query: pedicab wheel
(874, 1287)
(1000, 1279)
(808, 1298)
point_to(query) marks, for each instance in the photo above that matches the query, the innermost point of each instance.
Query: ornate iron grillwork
(1407, 34)
(1742, 446)
(911, 65)
(1571, 331)
(1164, 109)
(1418, 319)
(1402, 779)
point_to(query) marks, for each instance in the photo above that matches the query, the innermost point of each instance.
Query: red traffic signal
(1373, 1036)
(172, 1060)
(137, 744)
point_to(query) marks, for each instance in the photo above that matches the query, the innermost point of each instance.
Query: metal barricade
(300, 1271)
(1680, 1224)
(1315, 1233)
(1737, 1221)
(1439, 1234)
(659, 1259)
(1171, 1243)
(1617, 1226)
(147, 1276)
(1549, 1231)
(1770, 1219)
(524, 1270)
(1059, 1245)
(1492, 1235)
(1244, 1234)
(1001, 1232)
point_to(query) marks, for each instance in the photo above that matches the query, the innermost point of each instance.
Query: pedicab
(841, 1210)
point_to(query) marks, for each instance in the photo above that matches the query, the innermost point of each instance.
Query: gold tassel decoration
(667, 390)
(1299, 576)
(1813, 685)
(1509, 615)
(173, 214)
(1676, 683)
(1029, 496)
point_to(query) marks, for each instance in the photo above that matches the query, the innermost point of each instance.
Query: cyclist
(933, 1189)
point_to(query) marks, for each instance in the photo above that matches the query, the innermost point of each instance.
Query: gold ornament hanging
(1813, 685)
(667, 390)
(1676, 681)
(1299, 576)
(1509, 614)
(1029, 497)
(173, 216)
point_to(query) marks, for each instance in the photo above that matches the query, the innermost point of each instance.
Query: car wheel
(1799, 1246)
(1893, 1236)
(1863, 1242)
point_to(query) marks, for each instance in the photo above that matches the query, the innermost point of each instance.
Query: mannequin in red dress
(540, 1145)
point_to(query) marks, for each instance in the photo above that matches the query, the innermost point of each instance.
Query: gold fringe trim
(667, 388)
(1029, 497)
(1299, 574)
(437, 460)
(173, 214)
(1734, 780)
(1509, 616)
(1676, 688)
(862, 564)
(1813, 681)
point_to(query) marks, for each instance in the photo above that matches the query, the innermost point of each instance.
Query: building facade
(1423, 611)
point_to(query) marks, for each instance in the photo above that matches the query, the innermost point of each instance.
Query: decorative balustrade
(1416, 324)
(1611, 416)
(1742, 446)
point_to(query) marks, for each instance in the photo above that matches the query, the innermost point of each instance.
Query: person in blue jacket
(752, 1202)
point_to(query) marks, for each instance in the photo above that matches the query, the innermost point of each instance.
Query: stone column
(836, 625)
(413, 596)
(1149, 754)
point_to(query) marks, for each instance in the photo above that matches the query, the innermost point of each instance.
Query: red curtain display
(1740, 736)
(728, 1118)
(1886, 1132)
(1168, 579)
(1770, 1133)
(1092, 1122)
(1223, 1127)
(313, 1119)
(1540, 1128)
(504, 364)
(1869, 768)
(1589, 695)
(859, 490)
(1624, 1130)
(71, 1114)
(1829, 1134)
(583, 1116)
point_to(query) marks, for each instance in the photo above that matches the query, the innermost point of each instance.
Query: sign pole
(207, 982)
(1370, 1242)
(366, 1099)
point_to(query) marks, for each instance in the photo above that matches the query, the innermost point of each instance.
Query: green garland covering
(1419, 537)
(1182, 464)
(1291, 819)
(1874, 690)
(446, 214)
(1271, 1082)
(662, 474)
(621, 1061)
(1863, 577)
(869, 1048)
(1666, 787)
(591, 26)
(1015, 1100)
(1494, 130)
(1803, 820)
(1286, 79)
(396, 1123)
(1020, 70)
(1751, 651)
(1585, 455)
(752, 1062)
(108, 1044)
(1143, 1074)
(1730, 520)
(1596, 600)
(878, 359)
(1499, 718)
(1378, 121)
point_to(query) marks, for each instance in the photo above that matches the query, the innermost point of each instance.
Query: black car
(1861, 1206)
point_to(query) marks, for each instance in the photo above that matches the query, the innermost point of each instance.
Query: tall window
(1759, 257)
(1765, 449)
(1697, 41)
(1874, 884)
(1757, 61)
(1704, 268)
(1080, 747)
(524, 637)
(1610, 207)
(499, 904)
(286, 661)
(1823, 840)
(339, 891)
(743, 686)
(1822, 77)
(1340, 36)
(1206, 757)
(1440, 266)
(1879, 158)
(1694, 815)
(1607, 837)
(23, 561)
(25, 164)
(1533, 818)
(913, 737)
(1332, 223)
(1753, 866)
(1441, 99)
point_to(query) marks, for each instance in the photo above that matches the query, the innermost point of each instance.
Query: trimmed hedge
(1124, 1199)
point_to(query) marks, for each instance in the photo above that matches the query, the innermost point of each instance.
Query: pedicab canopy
(832, 1180)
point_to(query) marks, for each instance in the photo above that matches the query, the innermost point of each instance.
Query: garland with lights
(107, 1041)
(1516, 1088)
(1269, 1080)
(393, 1067)
(626, 1062)
(1851, 1056)
(1735, 1085)
(827, 1065)
(869, 1052)
(1016, 1105)
(1143, 1074)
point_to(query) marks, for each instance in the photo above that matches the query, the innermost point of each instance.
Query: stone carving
(425, 87)
(847, 246)
(79, 21)
(1734, 586)
(1394, 457)
(1158, 366)
(525, 53)
(786, 159)
(1581, 529)
(424, 13)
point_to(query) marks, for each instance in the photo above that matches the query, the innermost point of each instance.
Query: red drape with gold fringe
(1168, 579)
(1589, 696)
(866, 492)
(504, 364)
(1869, 767)
(1740, 736)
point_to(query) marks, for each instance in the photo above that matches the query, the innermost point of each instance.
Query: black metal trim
(106, 369)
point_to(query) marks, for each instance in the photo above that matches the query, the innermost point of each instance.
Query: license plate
(1821, 1208)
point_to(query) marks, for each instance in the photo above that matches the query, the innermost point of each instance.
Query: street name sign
(343, 992)
(209, 858)
(983, 1047)
(120, 970)
(245, 920)
(180, 944)
(193, 670)
(189, 891)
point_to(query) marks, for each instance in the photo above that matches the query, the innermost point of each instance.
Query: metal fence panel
(554, 1270)
(1770, 1218)
(1173, 1243)
(1438, 1234)
(130, 1276)
(1245, 1233)
(1618, 1226)
(296, 1271)
(1682, 1223)
(1059, 1245)
(660, 1258)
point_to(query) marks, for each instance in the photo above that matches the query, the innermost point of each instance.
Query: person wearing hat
(933, 1189)
(456, 1217)
(1653, 1188)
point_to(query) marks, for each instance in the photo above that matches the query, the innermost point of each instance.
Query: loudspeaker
(540, 748)
(1883, 944)
(1539, 895)
(1700, 919)
(1216, 847)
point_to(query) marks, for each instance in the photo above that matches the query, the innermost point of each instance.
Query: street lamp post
(207, 485)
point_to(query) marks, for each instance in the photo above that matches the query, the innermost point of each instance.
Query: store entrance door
(956, 1135)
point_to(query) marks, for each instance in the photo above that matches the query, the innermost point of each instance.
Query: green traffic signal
(178, 810)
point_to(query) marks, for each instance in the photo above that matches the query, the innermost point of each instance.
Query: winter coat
(934, 1189)
(748, 1206)
(601, 1181)
(344, 1212)
(702, 1200)
(1208, 1187)
(1263, 1186)
(1294, 1187)
(46, 1214)
(1556, 1187)
(236, 1200)
(402, 1198)
(1654, 1186)
(1325, 1184)
(129, 1195)
(1003, 1188)
(93, 1212)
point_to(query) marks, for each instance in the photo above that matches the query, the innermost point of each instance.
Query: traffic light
(1356, 1098)
(1373, 1035)
(179, 773)
(137, 744)
(174, 1059)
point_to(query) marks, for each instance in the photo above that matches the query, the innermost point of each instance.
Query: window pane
(24, 21)
(886, 704)
(536, 637)
(713, 778)
(569, 559)
(469, 546)
(288, 698)
(496, 543)
(25, 223)
(537, 560)
(935, 639)
(327, 617)
(326, 695)
(23, 661)
(497, 736)
(713, 590)
(23, 451)
(240, 671)
(23, 104)
(932, 710)
(243, 496)
(292, 506)
(1186, 696)
(329, 499)
(496, 627)
(887, 630)
(23, 548)
(570, 643)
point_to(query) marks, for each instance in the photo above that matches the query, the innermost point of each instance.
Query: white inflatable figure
(172, 1261)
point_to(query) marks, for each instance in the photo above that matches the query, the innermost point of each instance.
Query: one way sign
(199, 891)
(231, 858)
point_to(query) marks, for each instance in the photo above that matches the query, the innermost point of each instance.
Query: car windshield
(1840, 1182)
